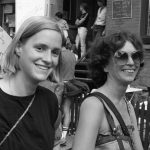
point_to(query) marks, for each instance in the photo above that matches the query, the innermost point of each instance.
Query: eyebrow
(45, 46)
(41, 45)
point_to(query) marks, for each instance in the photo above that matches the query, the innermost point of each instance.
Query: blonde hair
(29, 28)
(55, 75)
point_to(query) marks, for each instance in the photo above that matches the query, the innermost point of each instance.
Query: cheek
(55, 61)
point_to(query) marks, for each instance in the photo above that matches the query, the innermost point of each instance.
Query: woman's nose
(130, 60)
(47, 56)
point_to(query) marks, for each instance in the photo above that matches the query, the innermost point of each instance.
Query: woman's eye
(56, 52)
(39, 48)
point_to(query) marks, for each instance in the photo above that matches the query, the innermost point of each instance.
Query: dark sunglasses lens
(137, 57)
(121, 57)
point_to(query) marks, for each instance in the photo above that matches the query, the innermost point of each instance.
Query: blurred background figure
(100, 21)
(62, 74)
(82, 22)
(62, 23)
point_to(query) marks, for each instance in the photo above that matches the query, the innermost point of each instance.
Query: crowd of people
(38, 70)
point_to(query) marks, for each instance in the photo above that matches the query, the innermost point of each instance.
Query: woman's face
(39, 55)
(81, 8)
(124, 65)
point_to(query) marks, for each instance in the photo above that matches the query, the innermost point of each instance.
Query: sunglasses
(122, 57)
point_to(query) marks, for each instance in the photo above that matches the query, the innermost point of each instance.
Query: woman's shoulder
(92, 102)
(104, 9)
(45, 91)
(92, 109)
(49, 97)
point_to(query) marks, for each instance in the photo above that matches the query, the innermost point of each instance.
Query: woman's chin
(128, 81)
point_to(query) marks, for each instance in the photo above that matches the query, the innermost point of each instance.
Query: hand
(92, 27)
(103, 33)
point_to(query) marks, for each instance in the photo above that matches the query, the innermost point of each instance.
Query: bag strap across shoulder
(112, 107)
(114, 110)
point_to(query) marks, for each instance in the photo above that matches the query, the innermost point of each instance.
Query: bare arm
(91, 115)
(135, 135)
(78, 22)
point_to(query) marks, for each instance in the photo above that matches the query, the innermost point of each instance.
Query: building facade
(131, 15)
(7, 16)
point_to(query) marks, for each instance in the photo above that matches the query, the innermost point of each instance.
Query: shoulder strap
(17, 122)
(114, 110)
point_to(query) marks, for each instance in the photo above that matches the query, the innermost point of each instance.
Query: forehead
(128, 47)
(48, 37)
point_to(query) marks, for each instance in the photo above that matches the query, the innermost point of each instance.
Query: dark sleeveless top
(36, 129)
(85, 22)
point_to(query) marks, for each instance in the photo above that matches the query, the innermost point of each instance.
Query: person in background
(100, 21)
(62, 23)
(82, 23)
(115, 62)
(63, 75)
(28, 111)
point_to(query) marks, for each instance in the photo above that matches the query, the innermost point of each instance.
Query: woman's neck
(21, 86)
(114, 90)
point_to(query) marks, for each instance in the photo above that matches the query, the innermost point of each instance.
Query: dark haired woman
(115, 62)
(82, 23)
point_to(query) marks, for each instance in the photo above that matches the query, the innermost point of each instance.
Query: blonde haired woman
(28, 111)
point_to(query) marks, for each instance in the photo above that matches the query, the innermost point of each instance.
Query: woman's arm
(77, 22)
(135, 135)
(91, 115)
(83, 19)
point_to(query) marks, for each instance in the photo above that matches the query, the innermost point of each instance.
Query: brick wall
(130, 24)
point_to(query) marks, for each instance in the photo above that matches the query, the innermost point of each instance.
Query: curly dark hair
(103, 48)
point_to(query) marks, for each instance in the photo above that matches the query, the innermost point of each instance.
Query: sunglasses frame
(122, 61)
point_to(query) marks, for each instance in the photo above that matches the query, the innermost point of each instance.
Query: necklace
(17, 122)
(19, 119)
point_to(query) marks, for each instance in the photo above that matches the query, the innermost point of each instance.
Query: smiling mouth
(129, 70)
(42, 67)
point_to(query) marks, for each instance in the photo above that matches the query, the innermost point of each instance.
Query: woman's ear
(106, 69)
(18, 49)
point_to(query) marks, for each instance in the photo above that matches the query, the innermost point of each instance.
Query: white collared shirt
(101, 16)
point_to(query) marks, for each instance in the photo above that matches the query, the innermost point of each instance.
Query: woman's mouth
(42, 67)
(129, 70)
